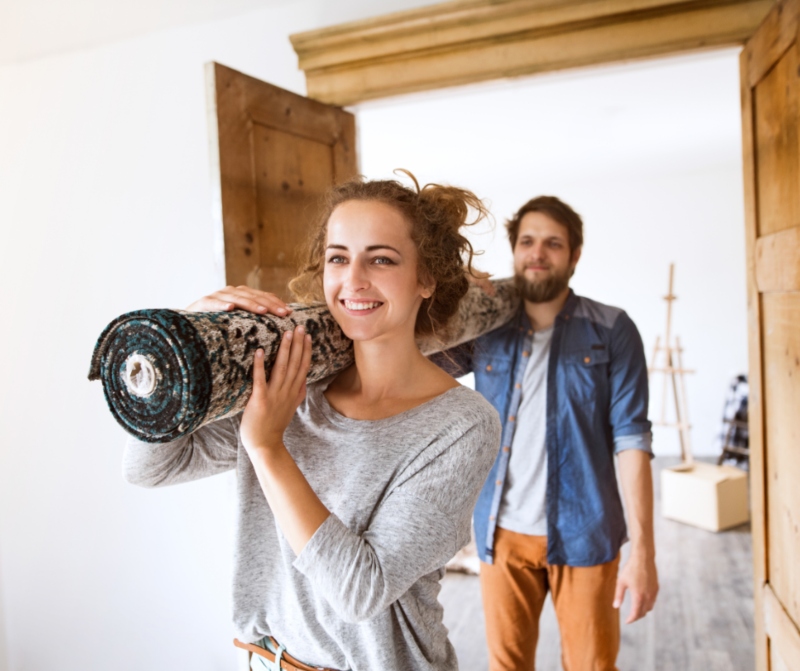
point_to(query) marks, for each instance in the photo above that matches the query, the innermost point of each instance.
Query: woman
(355, 492)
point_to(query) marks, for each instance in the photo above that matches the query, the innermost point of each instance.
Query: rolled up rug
(165, 373)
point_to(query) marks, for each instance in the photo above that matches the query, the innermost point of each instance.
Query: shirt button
(489, 367)
(530, 331)
(587, 359)
(511, 418)
(518, 386)
(499, 482)
(491, 517)
(526, 354)
(566, 316)
(506, 448)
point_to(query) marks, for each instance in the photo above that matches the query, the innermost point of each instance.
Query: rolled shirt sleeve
(629, 388)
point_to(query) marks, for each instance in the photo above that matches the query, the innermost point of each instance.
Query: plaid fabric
(734, 430)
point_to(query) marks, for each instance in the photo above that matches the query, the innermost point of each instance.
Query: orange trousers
(514, 589)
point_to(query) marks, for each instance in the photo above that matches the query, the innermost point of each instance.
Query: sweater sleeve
(420, 525)
(209, 450)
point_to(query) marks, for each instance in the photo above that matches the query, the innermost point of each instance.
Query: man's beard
(544, 290)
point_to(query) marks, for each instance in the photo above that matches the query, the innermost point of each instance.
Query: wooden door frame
(469, 41)
(769, 269)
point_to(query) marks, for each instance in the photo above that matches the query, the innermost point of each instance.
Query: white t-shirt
(523, 506)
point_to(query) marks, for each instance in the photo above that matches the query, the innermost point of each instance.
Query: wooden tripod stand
(673, 371)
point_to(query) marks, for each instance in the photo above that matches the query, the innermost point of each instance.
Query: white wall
(104, 208)
(648, 153)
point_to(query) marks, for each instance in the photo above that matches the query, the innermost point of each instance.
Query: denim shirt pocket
(493, 377)
(586, 373)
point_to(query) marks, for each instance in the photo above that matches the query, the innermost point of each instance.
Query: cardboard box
(705, 495)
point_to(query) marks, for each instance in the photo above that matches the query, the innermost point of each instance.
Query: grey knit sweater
(362, 594)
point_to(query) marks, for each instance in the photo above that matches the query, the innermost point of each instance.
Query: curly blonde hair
(444, 256)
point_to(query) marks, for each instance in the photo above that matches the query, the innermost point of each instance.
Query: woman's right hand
(241, 298)
(273, 404)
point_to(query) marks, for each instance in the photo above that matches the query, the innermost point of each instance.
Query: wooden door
(770, 74)
(274, 154)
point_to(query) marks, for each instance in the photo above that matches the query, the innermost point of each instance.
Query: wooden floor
(703, 620)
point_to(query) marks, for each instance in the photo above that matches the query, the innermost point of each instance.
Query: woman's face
(370, 276)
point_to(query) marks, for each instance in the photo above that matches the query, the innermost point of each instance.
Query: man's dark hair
(555, 209)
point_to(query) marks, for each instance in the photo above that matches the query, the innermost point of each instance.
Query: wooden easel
(673, 370)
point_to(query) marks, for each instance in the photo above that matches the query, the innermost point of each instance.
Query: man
(569, 379)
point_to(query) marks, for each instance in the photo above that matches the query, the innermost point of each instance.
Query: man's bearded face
(543, 262)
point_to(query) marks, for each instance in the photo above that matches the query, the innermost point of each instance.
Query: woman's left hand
(273, 404)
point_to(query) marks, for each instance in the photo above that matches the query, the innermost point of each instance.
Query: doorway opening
(649, 153)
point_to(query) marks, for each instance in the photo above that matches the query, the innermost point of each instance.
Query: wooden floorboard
(703, 620)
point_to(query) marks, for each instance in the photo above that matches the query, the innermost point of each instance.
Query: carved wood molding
(476, 40)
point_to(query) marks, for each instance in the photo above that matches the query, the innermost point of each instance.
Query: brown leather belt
(287, 661)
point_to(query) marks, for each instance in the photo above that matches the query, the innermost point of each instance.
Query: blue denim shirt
(597, 400)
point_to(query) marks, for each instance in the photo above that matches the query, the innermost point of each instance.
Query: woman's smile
(360, 307)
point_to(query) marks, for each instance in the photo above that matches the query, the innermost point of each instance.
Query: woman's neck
(389, 377)
(387, 369)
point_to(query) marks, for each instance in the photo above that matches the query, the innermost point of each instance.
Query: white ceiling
(32, 29)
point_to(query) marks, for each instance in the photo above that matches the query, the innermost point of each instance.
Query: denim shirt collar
(565, 314)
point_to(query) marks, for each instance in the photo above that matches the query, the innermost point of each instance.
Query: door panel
(776, 266)
(292, 173)
(778, 663)
(771, 144)
(777, 146)
(781, 375)
(784, 638)
(274, 155)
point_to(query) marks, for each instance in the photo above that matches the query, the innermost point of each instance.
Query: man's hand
(640, 576)
(482, 279)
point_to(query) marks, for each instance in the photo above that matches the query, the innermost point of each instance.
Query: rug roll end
(99, 351)
(155, 373)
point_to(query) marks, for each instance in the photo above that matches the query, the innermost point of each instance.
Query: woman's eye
(382, 261)
(337, 259)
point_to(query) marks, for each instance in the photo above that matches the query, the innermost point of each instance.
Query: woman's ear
(428, 288)
(427, 284)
